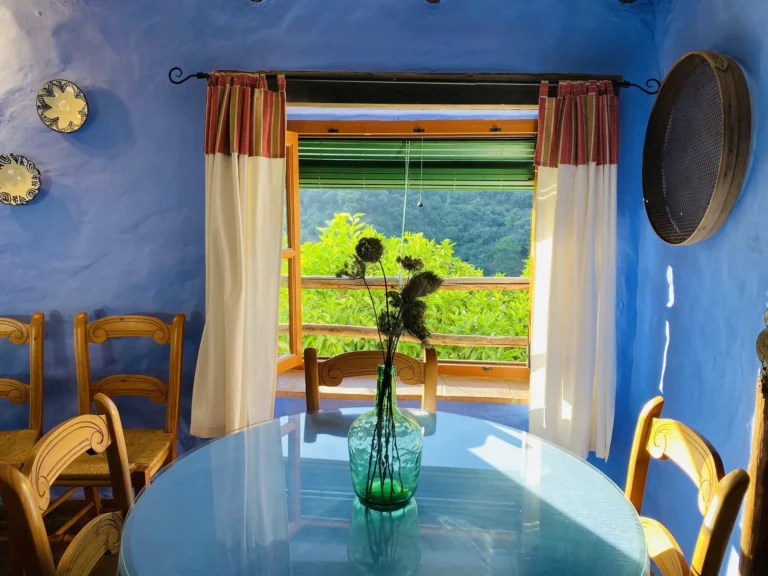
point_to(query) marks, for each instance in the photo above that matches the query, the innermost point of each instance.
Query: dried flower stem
(384, 458)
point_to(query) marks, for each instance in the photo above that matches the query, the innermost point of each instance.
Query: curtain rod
(653, 84)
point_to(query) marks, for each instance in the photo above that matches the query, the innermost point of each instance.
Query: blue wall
(119, 225)
(720, 286)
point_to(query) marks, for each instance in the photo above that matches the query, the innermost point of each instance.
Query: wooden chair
(27, 496)
(719, 497)
(16, 444)
(148, 450)
(331, 372)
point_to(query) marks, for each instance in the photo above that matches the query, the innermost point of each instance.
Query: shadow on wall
(60, 385)
(59, 388)
(47, 216)
(15, 356)
(144, 356)
(108, 128)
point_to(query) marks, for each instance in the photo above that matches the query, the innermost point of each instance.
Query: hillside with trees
(490, 230)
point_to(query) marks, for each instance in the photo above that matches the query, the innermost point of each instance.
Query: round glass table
(277, 499)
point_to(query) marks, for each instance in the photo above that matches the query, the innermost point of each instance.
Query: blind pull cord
(405, 206)
(421, 176)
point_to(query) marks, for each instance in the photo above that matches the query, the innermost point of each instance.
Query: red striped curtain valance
(578, 127)
(243, 117)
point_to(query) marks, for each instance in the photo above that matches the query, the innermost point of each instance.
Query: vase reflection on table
(384, 543)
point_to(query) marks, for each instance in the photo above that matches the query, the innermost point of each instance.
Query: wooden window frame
(293, 255)
(431, 129)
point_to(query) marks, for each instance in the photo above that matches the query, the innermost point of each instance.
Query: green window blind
(494, 165)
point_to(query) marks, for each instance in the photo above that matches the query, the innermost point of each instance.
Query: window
(473, 227)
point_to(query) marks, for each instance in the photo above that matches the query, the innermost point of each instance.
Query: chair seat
(147, 450)
(663, 549)
(15, 445)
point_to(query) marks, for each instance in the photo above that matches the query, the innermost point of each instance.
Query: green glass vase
(385, 450)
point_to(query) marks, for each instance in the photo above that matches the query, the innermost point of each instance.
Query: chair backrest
(719, 495)
(17, 392)
(26, 493)
(331, 372)
(131, 326)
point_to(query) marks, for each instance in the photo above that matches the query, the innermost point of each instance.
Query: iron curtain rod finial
(177, 72)
(653, 83)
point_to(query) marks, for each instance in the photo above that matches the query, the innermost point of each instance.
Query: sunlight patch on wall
(15, 48)
(23, 58)
(733, 562)
(671, 283)
(664, 360)
(670, 303)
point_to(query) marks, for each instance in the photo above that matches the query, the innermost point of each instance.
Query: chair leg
(92, 495)
(140, 479)
(16, 567)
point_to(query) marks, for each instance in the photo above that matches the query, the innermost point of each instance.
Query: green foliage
(488, 313)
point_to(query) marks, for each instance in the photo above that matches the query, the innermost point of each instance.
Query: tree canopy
(490, 230)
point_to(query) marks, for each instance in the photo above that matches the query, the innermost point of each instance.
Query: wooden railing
(377, 283)
(369, 333)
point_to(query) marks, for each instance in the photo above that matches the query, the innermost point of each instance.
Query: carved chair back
(131, 326)
(17, 392)
(331, 372)
(719, 495)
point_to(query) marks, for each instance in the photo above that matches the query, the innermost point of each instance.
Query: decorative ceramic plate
(62, 106)
(19, 179)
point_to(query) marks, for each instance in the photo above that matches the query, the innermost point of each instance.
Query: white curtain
(573, 350)
(245, 190)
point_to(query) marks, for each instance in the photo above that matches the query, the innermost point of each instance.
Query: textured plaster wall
(119, 225)
(700, 308)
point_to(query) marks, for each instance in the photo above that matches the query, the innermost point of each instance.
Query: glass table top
(277, 499)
